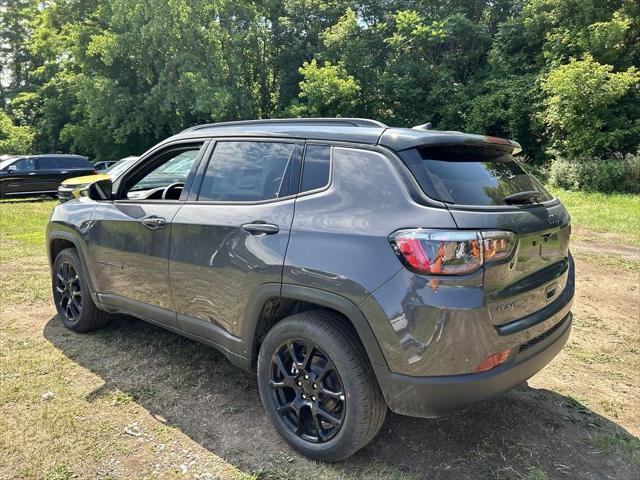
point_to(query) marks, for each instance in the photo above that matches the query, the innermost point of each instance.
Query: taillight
(455, 252)
(497, 245)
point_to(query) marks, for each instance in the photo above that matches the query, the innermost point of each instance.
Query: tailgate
(537, 272)
(485, 188)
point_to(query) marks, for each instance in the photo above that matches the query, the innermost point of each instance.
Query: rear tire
(324, 416)
(72, 296)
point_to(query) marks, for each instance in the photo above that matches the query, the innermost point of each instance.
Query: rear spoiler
(405, 138)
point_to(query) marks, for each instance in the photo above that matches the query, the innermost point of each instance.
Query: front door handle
(153, 222)
(256, 228)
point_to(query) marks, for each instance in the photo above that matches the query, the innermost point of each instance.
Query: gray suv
(354, 266)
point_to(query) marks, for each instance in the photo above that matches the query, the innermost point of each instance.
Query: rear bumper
(441, 395)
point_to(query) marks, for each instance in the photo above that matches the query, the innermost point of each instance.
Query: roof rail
(353, 122)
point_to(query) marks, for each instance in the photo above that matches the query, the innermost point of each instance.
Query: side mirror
(12, 168)
(100, 190)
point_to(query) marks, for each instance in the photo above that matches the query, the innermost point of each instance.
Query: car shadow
(527, 433)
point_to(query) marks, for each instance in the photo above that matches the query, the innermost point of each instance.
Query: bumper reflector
(492, 361)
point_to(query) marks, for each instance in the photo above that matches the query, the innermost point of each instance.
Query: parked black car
(354, 266)
(34, 175)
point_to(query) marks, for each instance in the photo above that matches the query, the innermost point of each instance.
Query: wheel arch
(58, 241)
(274, 302)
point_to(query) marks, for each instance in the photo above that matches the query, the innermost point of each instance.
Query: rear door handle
(153, 222)
(256, 228)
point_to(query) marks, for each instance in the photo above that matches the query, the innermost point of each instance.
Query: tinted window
(74, 162)
(317, 163)
(48, 163)
(470, 175)
(248, 171)
(25, 165)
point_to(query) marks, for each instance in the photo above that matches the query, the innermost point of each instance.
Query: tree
(326, 91)
(15, 29)
(109, 78)
(14, 140)
(592, 110)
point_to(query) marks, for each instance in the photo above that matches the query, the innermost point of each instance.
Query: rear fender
(311, 295)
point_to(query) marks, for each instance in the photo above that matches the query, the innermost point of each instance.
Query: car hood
(77, 181)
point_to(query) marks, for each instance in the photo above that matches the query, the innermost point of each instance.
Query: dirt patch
(586, 245)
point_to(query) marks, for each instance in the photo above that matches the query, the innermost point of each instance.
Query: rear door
(53, 170)
(231, 235)
(50, 172)
(478, 184)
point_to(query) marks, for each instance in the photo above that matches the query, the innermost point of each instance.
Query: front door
(129, 238)
(232, 236)
(22, 177)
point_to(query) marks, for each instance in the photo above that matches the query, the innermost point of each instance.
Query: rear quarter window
(71, 162)
(317, 167)
(470, 175)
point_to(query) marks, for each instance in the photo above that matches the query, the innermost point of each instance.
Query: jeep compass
(354, 267)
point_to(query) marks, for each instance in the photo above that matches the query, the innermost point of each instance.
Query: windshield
(471, 175)
(5, 162)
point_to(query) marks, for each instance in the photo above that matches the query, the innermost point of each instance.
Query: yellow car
(73, 187)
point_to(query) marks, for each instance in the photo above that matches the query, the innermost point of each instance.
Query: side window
(75, 163)
(48, 163)
(170, 168)
(248, 172)
(316, 168)
(25, 165)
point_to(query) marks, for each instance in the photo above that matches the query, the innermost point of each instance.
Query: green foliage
(592, 110)
(13, 139)
(16, 17)
(110, 78)
(619, 173)
(326, 91)
(507, 107)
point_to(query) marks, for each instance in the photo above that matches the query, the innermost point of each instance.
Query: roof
(51, 155)
(353, 130)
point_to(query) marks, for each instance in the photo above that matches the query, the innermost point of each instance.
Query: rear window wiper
(528, 196)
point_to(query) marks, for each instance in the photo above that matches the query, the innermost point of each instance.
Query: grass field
(593, 213)
(135, 401)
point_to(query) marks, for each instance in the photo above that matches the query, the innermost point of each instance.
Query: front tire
(318, 387)
(71, 294)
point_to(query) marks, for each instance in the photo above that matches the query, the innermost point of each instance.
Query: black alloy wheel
(69, 291)
(72, 294)
(318, 387)
(307, 390)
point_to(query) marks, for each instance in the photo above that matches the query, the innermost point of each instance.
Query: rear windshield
(470, 175)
